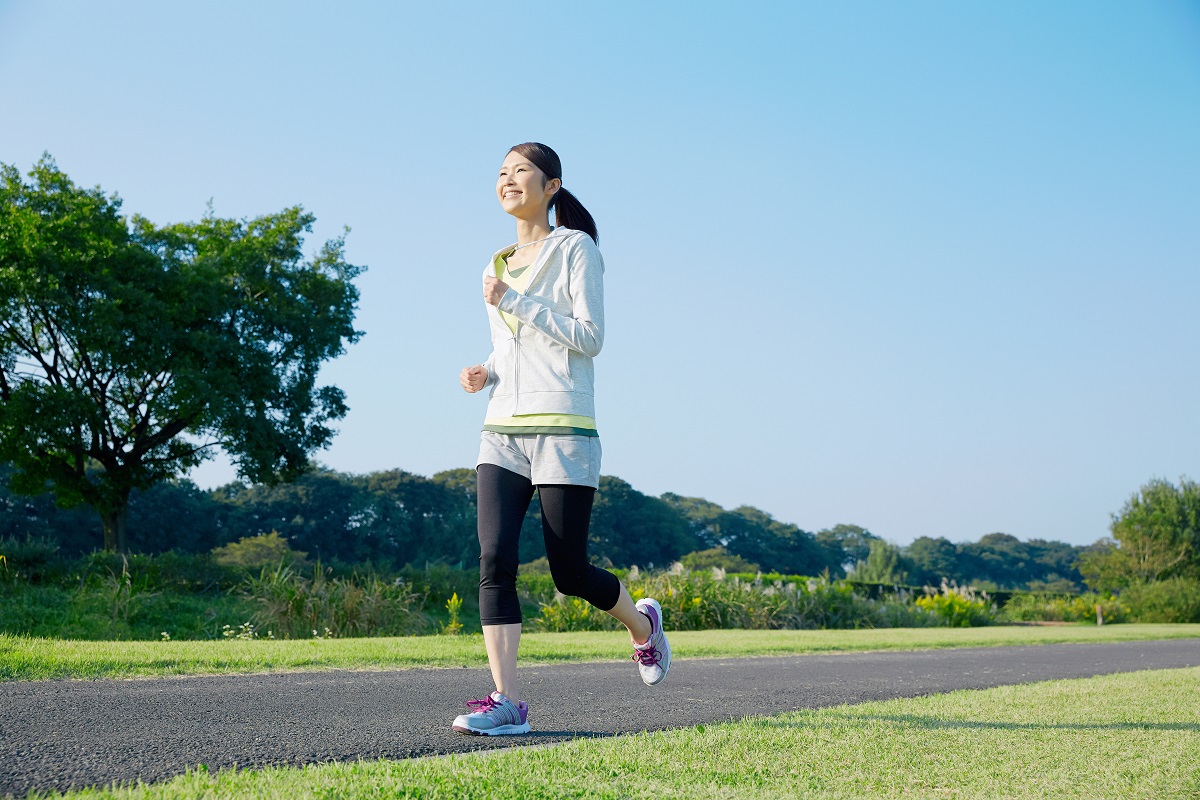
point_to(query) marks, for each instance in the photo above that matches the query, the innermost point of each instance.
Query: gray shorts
(550, 458)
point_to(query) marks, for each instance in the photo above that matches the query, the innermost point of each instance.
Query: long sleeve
(490, 366)
(583, 331)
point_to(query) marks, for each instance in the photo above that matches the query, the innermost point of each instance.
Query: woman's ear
(552, 186)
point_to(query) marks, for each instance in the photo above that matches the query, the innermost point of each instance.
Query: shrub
(956, 610)
(1057, 608)
(566, 614)
(958, 606)
(93, 613)
(1167, 600)
(189, 572)
(438, 580)
(536, 588)
(294, 606)
(539, 566)
(170, 571)
(710, 600)
(256, 552)
(904, 614)
(717, 557)
(32, 559)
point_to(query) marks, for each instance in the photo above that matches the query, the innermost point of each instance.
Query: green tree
(128, 352)
(700, 515)
(929, 560)
(751, 534)
(390, 517)
(629, 527)
(717, 557)
(255, 552)
(882, 564)
(997, 558)
(844, 546)
(756, 536)
(1155, 536)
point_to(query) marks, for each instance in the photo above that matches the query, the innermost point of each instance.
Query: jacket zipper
(517, 371)
(544, 254)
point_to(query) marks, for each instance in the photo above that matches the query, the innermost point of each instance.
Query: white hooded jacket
(546, 366)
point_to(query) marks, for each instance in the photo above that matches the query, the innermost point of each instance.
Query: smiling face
(523, 189)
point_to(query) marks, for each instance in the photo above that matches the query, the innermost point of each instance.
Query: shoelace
(650, 657)
(483, 706)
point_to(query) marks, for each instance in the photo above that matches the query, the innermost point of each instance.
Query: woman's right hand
(473, 378)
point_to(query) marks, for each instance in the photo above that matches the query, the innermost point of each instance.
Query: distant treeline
(397, 518)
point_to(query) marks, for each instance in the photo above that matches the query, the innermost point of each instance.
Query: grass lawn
(25, 658)
(1126, 736)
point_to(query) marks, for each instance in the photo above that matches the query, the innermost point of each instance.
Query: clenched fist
(493, 290)
(473, 378)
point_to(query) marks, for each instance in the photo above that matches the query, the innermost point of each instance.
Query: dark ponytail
(568, 211)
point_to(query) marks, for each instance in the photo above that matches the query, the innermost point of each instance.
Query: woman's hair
(568, 211)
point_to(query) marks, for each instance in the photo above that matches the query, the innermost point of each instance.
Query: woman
(545, 306)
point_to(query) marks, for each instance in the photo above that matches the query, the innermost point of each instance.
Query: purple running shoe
(653, 657)
(494, 715)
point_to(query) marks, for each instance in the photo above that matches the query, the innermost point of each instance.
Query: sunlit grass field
(1134, 735)
(25, 658)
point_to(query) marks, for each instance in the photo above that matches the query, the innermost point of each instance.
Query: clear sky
(929, 268)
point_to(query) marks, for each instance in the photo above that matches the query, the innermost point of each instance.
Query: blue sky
(930, 268)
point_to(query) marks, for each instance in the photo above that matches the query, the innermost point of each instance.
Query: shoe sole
(503, 730)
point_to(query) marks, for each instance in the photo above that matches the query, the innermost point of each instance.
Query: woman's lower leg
(501, 642)
(503, 498)
(635, 621)
(566, 517)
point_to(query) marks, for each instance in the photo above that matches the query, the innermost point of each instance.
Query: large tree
(750, 533)
(1156, 535)
(129, 351)
(629, 527)
(929, 560)
(844, 546)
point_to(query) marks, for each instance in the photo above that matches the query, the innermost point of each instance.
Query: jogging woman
(545, 307)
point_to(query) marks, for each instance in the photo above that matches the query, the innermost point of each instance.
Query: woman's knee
(570, 579)
(495, 569)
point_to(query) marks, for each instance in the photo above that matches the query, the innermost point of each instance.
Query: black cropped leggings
(566, 511)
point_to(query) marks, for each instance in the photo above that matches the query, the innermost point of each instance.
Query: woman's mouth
(511, 193)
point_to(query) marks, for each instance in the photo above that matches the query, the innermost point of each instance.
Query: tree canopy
(129, 351)
(1155, 536)
(398, 518)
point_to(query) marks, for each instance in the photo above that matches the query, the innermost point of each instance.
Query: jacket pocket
(545, 365)
(505, 365)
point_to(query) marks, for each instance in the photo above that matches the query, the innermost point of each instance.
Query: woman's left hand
(493, 290)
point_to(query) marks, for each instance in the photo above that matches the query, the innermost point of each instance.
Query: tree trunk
(114, 527)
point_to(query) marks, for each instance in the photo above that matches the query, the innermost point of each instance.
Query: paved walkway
(58, 734)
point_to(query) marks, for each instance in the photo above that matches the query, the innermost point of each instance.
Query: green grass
(1127, 736)
(25, 658)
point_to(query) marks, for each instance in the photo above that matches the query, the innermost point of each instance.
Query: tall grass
(109, 596)
(293, 606)
(1057, 608)
(712, 599)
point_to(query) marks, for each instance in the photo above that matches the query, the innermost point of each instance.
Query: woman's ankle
(638, 637)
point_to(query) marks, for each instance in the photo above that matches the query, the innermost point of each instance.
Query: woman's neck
(532, 230)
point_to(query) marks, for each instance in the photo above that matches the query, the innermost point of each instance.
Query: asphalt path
(62, 734)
